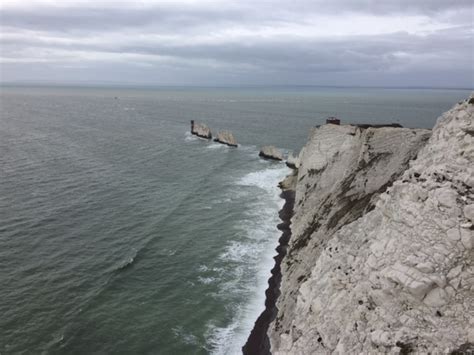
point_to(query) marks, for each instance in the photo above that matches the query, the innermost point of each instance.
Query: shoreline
(258, 342)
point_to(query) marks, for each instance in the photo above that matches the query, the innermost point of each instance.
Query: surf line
(258, 341)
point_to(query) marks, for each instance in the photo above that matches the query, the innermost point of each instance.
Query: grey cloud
(306, 55)
(276, 58)
(99, 19)
(187, 17)
(430, 7)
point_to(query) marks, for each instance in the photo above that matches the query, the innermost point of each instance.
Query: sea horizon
(112, 85)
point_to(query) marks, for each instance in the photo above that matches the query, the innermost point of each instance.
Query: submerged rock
(270, 152)
(201, 130)
(226, 137)
(380, 258)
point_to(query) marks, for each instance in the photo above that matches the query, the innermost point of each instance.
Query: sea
(121, 233)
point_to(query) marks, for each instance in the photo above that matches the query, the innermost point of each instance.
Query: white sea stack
(293, 161)
(381, 254)
(201, 130)
(270, 152)
(226, 137)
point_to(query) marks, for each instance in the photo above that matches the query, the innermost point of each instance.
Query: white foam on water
(203, 268)
(206, 280)
(219, 338)
(189, 137)
(185, 337)
(251, 255)
(233, 286)
(214, 145)
(222, 200)
(267, 179)
(239, 252)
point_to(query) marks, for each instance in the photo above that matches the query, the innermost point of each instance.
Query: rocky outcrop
(380, 258)
(201, 130)
(293, 161)
(270, 152)
(289, 183)
(226, 137)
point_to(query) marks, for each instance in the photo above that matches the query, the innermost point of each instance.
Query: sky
(419, 43)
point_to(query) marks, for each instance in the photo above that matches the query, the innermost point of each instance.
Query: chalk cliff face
(375, 267)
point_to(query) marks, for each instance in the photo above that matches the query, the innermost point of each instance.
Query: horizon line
(98, 84)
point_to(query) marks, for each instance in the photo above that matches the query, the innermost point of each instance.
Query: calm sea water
(121, 233)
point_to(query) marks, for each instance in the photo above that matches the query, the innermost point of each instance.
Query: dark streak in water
(258, 342)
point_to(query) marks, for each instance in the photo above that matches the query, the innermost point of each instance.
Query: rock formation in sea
(226, 137)
(380, 258)
(293, 161)
(200, 130)
(270, 152)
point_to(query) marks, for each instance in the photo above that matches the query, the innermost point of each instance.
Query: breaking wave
(249, 258)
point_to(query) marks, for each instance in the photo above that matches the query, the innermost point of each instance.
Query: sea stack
(200, 130)
(226, 137)
(293, 161)
(270, 152)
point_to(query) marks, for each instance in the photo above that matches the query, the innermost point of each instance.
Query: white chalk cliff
(381, 254)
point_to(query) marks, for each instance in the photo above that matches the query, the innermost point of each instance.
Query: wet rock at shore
(201, 130)
(270, 152)
(226, 137)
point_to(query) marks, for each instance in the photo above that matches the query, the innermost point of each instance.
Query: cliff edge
(380, 257)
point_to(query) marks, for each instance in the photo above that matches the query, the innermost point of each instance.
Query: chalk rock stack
(201, 130)
(293, 161)
(381, 256)
(270, 152)
(226, 137)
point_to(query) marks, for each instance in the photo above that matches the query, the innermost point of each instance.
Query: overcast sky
(200, 42)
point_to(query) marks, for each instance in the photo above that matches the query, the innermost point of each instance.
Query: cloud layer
(393, 43)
